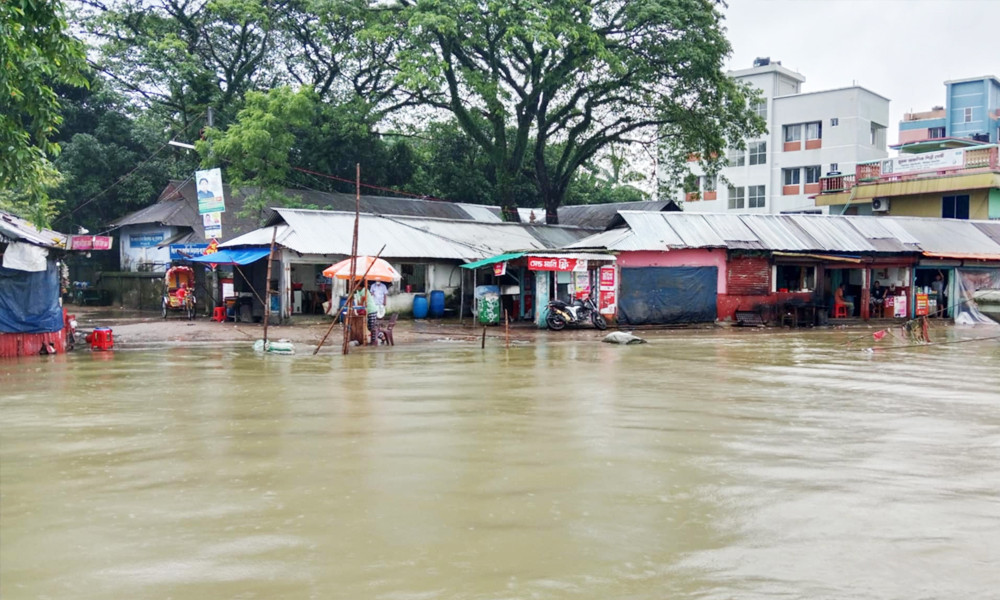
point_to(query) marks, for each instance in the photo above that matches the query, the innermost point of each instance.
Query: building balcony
(906, 167)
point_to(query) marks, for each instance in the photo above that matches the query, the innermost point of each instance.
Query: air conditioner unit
(880, 205)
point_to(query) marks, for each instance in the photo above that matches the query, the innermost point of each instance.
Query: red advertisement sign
(921, 306)
(609, 302)
(90, 242)
(540, 263)
(606, 278)
(500, 268)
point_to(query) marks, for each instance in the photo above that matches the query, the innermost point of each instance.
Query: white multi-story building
(809, 135)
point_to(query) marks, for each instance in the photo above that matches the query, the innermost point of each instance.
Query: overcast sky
(901, 49)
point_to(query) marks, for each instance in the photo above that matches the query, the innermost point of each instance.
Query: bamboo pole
(506, 327)
(267, 286)
(353, 288)
(354, 255)
(483, 345)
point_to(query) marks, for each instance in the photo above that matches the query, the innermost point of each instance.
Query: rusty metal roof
(16, 229)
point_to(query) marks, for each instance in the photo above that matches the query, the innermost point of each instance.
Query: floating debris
(622, 337)
(274, 347)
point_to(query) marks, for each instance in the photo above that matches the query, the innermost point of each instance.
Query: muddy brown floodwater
(706, 464)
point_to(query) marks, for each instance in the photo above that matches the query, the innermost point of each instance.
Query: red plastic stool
(219, 314)
(840, 311)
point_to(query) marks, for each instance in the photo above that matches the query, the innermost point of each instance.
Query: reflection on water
(702, 465)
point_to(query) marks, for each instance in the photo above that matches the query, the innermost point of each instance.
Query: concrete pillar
(541, 296)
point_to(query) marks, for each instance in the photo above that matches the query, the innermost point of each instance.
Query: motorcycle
(582, 310)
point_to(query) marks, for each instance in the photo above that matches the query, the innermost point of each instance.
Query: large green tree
(36, 53)
(523, 76)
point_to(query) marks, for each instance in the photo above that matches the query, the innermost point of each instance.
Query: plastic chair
(384, 332)
(840, 311)
(219, 314)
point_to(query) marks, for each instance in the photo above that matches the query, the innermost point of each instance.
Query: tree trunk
(551, 212)
(505, 186)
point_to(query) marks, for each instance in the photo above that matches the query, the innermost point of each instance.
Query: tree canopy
(36, 53)
(521, 76)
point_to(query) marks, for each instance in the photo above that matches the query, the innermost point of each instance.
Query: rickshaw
(178, 291)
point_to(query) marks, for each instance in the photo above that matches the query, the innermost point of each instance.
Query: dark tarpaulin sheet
(29, 302)
(663, 295)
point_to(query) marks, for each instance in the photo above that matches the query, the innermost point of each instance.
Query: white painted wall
(845, 144)
(132, 254)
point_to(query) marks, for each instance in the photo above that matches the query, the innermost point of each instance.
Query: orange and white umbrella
(380, 270)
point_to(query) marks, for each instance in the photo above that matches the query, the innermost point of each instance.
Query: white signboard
(209, 186)
(927, 161)
(213, 225)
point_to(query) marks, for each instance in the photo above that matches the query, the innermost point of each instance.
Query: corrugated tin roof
(16, 229)
(799, 233)
(599, 216)
(992, 229)
(329, 232)
(832, 234)
(178, 206)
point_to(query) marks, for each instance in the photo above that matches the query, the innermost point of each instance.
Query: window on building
(935, 133)
(737, 158)
(834, 121)
(834, 168)
(791, 176)
(878, 135)
(814, 130)
(708, 183)
(736, 198)
(793, 133)
(755, 196)
(414, 277)
(760, 108)
(757, 153)
(967, 115)
(955, 207)
(794, 278)
(812, 174)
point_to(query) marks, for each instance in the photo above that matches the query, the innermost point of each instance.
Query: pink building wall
(688, 257)
(913, 135)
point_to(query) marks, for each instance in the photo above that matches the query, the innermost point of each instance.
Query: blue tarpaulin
(232, 257)
(29, 301)
(661, 295)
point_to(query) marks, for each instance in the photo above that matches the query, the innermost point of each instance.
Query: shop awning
(493, 260)
(962, 255)
(829, 257)
(232, 257)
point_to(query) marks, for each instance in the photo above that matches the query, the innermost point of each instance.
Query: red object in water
(101, 338)
(879, 335)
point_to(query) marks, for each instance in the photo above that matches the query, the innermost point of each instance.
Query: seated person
(838, 298)
(878, 297)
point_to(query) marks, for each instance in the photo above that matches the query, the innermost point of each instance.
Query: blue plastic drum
(436, 310)
(420, 306)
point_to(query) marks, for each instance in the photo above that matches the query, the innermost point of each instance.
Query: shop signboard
(90, 242)
(921, 305)
(899, 307)
(553, 263)
(925, 161)
(145, 240)
(607, 282)
(500, 268)
(184, 251)
(210, 195)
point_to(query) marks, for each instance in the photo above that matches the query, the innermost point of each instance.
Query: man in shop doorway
(937, 286)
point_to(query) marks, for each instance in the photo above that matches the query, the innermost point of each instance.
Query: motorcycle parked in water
(582, 310)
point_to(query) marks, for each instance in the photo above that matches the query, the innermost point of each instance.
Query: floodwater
(734, 464)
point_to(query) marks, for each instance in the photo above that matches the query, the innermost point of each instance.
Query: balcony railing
(984, 158)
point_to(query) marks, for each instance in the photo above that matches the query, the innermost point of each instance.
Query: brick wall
(748, 276)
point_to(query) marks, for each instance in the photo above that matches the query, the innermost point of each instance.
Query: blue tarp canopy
(29, 301)
(232, 257)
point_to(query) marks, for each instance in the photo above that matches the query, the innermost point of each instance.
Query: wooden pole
(483, 345)
(354, 256)
(352, 289)
(267, 286)
(506, 327)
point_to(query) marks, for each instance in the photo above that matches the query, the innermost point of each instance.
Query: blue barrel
(437, 304)
(420, 306)
(343, 306)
